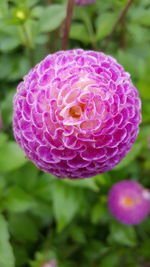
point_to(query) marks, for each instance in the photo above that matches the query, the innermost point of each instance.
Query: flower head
(50, 263)
(84, 2)
(129, 202)
(76, 114)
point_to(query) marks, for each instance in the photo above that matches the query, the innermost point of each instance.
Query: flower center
(76, 111)
(128, 201)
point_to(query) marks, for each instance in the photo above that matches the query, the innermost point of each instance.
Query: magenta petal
(76, 113)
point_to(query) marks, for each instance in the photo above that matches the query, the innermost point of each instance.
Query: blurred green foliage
(41, 217)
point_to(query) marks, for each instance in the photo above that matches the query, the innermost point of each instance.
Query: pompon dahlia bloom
(76, 114)
(129, 202)
(84, 2)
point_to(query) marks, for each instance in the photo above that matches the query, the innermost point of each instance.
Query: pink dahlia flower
(129, 202)
(50, 263)
(84, 2)
(76, 114)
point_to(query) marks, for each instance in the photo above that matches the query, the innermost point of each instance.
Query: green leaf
(7, 107)
(110, 260)
(29, 3)
(139, 35)
(142, 16)
(122, 234)
(78, 234)
(3, 183)
(37, 11)
(103, 179)
(6, 253)
(12, 157)
(25, 177)
(3, 139)
(104, 24)
(66, 202)
(144, 249)
(130, 156)
(78, 32)
(128, 60)
(42, 209)
(144, 86)
(44, 186)
(52, 17)
(17, 200)
(89, 183)
(99, 213)
(95, 250)
(5, 66)
(21, 254)
(23, 228)
(3, 8)
(10, 38)
(144, 80)
(146, 112)
(19, 68)
(8, 43)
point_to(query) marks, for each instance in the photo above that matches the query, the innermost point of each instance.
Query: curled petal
(77, 113)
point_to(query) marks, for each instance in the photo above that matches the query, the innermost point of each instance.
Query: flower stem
(28, 44)
(67, 24)
(119, 21)
(90, 30)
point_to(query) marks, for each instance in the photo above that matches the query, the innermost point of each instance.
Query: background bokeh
(44, 218)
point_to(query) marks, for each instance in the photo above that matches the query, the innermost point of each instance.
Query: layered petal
(76, 113)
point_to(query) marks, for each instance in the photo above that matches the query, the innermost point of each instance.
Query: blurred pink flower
(50, 263)
(76, 114)
(129, 202)
(84, 2)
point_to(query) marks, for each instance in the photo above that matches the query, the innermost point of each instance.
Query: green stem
(90, 30)
(67, 24)
(119, 21)
(28, 44)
